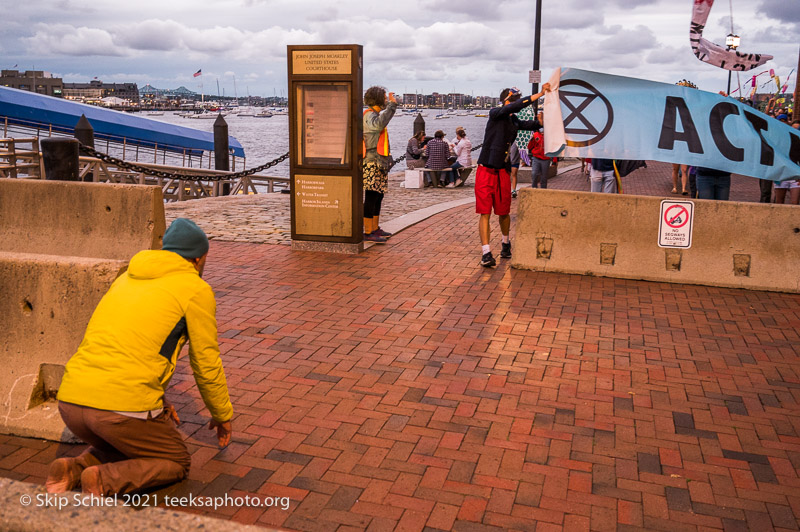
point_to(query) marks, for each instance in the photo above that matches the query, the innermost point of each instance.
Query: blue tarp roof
(28, 108)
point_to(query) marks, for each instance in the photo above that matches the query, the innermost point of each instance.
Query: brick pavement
(265, 218)
(406, 388)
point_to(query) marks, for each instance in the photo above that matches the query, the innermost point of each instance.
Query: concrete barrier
(734, 244)
(62, 244)
(79, 219)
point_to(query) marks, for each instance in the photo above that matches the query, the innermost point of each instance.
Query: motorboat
(207, 115)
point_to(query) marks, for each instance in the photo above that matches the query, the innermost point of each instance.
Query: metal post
(728, 92)
(537, 42)
(419, 124)
(84, 132)
(60, 157)
(795, 108)
(222, 150)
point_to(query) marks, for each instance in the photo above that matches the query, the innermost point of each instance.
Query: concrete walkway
(407, 388)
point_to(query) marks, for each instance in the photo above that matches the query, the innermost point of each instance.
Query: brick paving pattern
(407, 388)
(265, 218)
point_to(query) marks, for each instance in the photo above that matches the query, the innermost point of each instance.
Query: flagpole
(795, 108)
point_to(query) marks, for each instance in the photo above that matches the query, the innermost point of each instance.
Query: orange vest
(383, 140)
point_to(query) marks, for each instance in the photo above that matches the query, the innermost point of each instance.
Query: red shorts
(492, 190)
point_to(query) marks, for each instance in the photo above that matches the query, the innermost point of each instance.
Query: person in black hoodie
(493, 177)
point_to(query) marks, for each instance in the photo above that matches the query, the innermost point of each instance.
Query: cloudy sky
(470, 46)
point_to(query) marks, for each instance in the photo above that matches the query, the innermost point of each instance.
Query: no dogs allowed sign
(675, 224)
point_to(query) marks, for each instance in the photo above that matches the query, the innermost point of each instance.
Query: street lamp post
(732, 42)
(537, 41)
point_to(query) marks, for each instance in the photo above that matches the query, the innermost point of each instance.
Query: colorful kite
(715, 54)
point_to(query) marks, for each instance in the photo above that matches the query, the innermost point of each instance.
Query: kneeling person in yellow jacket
(112, 394)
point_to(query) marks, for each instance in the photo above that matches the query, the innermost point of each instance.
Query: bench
(416, 178)
(62, 244)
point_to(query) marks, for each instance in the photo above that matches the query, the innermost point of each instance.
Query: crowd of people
(500, 159)
(709, 183)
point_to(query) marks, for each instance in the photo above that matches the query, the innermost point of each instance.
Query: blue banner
(615, 117)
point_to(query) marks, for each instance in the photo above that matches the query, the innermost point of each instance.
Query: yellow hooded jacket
(130, 349)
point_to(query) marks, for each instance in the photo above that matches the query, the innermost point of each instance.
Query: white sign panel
(675, 224)
(534, 76)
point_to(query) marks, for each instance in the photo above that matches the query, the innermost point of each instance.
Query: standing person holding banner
(377, 159)
(493, 177)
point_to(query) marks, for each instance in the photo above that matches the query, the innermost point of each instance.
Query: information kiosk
(325, 101)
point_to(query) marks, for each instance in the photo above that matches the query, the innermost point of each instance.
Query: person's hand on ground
(224, 431)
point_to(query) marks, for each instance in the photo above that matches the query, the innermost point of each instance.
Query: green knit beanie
(186, 239)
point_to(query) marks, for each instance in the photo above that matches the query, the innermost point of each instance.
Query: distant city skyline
(471, 47)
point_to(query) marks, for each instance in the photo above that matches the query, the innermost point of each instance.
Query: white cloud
(471, 45)
(63, 39)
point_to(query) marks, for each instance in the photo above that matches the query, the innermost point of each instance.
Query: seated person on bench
(463, 149)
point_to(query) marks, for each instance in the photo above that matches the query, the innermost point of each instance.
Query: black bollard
(84, 132)
(222, 150)
(60, 158)
(419, 124)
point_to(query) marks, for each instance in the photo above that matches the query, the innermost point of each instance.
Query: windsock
(715, 54)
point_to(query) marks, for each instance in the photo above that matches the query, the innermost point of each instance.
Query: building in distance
(37, 81)
(453, 100)
(95, 91)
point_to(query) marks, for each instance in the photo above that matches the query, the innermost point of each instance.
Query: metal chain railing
(402, 157)
(119, 163)
(172, 175)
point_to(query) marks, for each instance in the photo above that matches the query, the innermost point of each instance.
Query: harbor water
(265, 139)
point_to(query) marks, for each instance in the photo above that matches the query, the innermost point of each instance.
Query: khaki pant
(132, 453)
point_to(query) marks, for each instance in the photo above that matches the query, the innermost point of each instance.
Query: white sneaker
(451, 185)
(458, 182)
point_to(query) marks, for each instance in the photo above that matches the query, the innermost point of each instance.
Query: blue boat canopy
(31, 109)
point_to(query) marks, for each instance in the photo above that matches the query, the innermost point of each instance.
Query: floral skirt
(376, 178)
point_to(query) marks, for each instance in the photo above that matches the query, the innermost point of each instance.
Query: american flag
(199, 72)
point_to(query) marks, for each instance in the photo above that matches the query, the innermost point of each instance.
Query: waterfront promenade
(265, 218)
(407, 388)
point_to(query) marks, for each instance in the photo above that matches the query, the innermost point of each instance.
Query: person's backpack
(626, 167)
